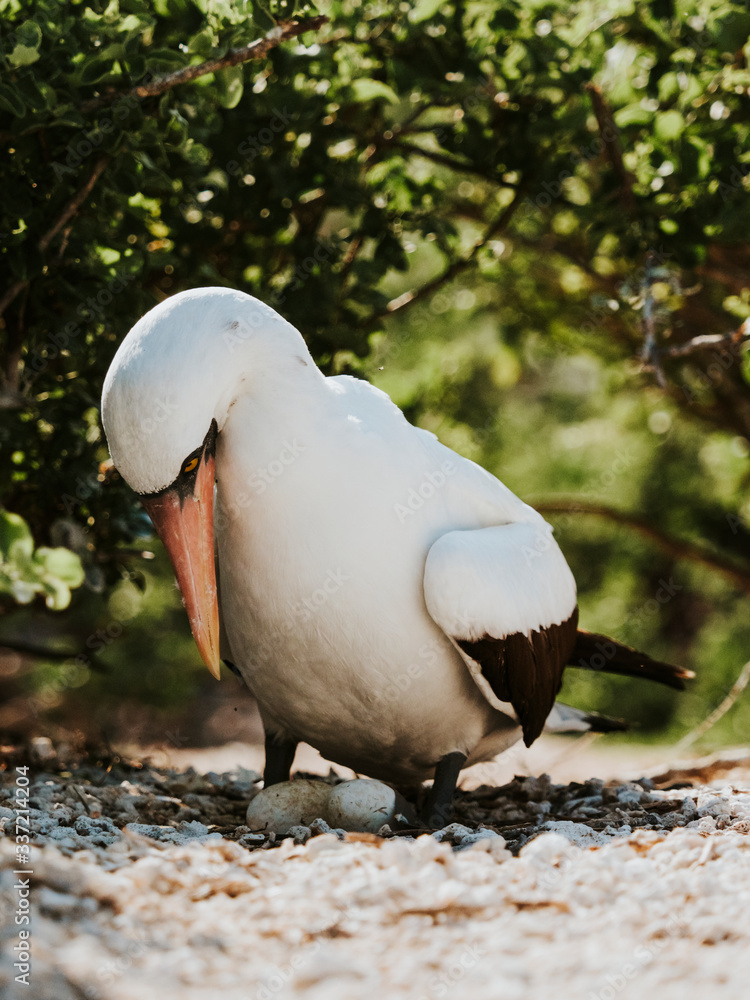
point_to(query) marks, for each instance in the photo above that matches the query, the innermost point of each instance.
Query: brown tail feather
(600, 652)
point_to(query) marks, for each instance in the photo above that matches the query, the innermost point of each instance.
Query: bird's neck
(274, 414)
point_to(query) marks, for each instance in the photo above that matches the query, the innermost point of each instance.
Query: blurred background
(528, 222)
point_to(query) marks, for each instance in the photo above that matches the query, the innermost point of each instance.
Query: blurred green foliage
(487, 207)
(24, 573)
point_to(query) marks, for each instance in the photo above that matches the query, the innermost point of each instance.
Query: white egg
(363, 805)
(290, 803)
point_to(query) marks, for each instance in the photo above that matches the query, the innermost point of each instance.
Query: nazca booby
(386, 600)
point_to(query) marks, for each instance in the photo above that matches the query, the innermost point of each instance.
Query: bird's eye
(189, 466)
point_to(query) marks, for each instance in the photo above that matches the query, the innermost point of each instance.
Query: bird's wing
(507, 599)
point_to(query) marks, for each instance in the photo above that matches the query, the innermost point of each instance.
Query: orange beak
(185, 523)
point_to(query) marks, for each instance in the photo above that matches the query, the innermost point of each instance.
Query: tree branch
(739, 336)
(75, 203)
(448, 161)
(609, 134)
(650, 353)
(255, 50)
(67, 213)
(38, 652)
(678, 548)
(743, 679)
(407, 299)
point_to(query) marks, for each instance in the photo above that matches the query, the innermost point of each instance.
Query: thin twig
(75, 203)
(255, 50)
(39, 652)
(65, 216)
(455, 267)
(448, 161)
(350, 256)
(609, 134)
(678, 548)
(15, 289)
(735, 691)
(650, 354)
(738, 336)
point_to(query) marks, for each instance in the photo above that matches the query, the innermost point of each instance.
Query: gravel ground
(146, 883)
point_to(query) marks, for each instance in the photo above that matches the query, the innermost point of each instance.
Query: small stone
(326, 842)
(88, 826)
(454, 831)
(301, 834)
(548, 848)
(251, 839)
(62, 832)
(60, 905)
(150, 830)
(42, 748)
(630, 794)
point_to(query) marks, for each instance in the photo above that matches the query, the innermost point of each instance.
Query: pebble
(180, 807)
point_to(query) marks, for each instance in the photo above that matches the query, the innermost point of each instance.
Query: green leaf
(696, 157)
(371, 90)
(668, 125)
(22, 56)
(632, 114)
(32, 94)
(262, 15)
(56, 594)
(15, 537)
(166, 58)
(229, 86)
(96, 69)
(202, 44)
(62, 564)
(423, 10)
(26, 49)
(10, 101)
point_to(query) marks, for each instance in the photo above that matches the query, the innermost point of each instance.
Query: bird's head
(165, 400)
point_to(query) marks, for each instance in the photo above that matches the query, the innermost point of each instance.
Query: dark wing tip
(594, 651)
(526, 670)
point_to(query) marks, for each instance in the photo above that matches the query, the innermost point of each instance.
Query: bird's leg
(438, 807)
(279, 758)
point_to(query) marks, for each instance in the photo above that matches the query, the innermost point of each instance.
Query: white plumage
(354, 550)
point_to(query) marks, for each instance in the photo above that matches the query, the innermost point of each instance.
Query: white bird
(386, 600)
